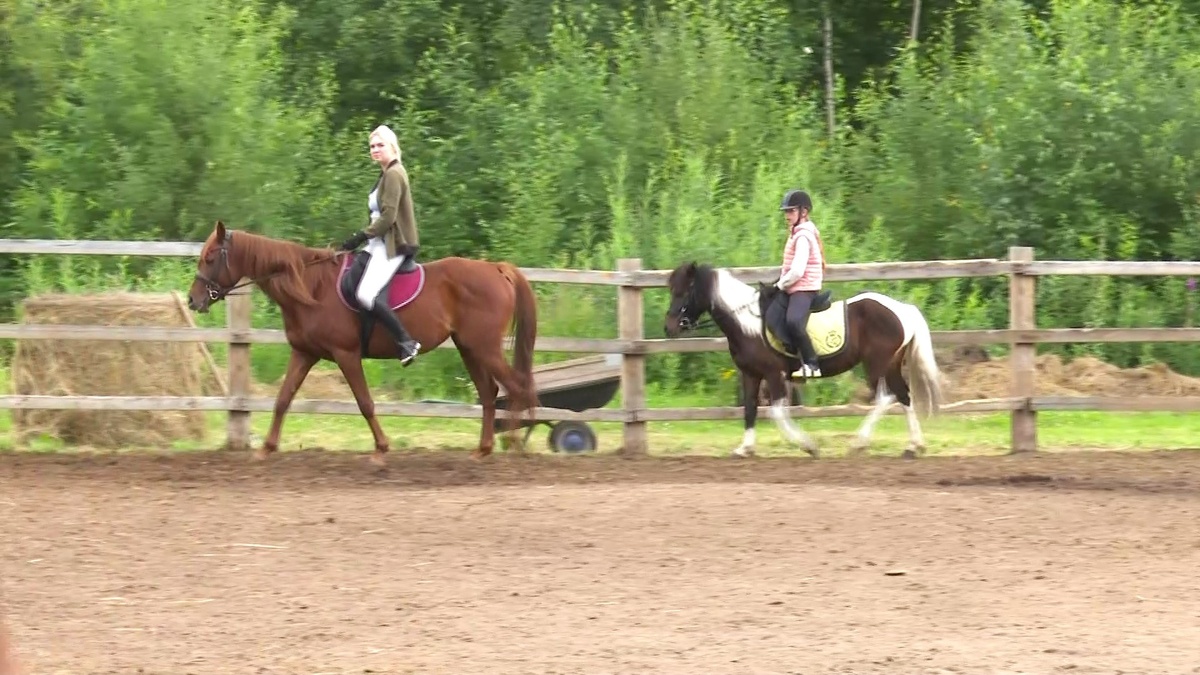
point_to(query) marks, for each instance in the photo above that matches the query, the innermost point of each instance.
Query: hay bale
(109, 368)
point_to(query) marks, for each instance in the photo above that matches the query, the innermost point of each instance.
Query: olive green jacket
(396, 222)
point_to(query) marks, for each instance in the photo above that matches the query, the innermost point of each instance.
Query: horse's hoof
(481, 453)
(378, 458)
(858, 448)
(741, 452)
(260, 455)
(912, 452)
(514, 443)
(812, 450)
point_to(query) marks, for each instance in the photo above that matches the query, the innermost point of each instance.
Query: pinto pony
(471, 302)
(880, 332)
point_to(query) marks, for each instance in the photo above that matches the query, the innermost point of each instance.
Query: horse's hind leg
(897, 383)
(352, 369)
(485, 386)
(779, 412)
(519, 389)
(883, 399)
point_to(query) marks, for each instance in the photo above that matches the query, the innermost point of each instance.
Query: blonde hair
(387, 136)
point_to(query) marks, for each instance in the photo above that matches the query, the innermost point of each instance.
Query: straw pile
(971, 374)
(110, 368)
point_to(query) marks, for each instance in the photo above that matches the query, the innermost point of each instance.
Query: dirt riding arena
(205, 563)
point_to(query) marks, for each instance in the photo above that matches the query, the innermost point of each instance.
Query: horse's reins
(217, 291)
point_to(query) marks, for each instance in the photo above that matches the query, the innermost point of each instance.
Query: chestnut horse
(472, 302)
(878, 331)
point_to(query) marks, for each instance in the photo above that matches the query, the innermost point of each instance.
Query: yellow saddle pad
(826, 329)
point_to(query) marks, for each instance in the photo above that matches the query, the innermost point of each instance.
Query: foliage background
(569, 133)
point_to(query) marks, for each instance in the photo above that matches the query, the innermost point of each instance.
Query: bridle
(217, 291)
(686, 324)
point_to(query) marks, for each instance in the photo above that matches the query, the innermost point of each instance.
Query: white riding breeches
(380, 270)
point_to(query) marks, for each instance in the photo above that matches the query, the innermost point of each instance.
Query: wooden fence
(1022, 335)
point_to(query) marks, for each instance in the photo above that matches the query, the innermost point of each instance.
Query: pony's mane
(721, 294)
(737, 300)
(262, 255)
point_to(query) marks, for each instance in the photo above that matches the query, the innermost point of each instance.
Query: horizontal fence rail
(267, 336)
(1022, 335)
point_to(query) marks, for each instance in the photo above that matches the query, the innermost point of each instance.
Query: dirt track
(204, 563)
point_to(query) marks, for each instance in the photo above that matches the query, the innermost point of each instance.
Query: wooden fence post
(1022, 294)
(633, 366)
(240, 308)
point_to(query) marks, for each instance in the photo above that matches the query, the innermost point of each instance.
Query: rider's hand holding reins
(354, 241)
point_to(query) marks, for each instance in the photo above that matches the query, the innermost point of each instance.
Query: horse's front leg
(298, 366)
(351, 367)
(750, 385)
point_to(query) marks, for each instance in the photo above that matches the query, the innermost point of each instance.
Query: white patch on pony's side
(902, 310)
(916, 333)
(740, 301)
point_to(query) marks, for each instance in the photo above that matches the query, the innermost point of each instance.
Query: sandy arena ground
(205, 563)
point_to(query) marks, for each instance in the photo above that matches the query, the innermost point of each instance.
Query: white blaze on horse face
(739, 300)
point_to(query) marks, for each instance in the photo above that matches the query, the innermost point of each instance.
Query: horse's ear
(692, 267)
(220, 231)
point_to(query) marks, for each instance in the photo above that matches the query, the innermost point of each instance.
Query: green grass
(945, 435)
(950, 434)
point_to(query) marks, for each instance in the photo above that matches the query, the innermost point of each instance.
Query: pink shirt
(802, 268)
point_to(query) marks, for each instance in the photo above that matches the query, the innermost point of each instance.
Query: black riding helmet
(796, 199)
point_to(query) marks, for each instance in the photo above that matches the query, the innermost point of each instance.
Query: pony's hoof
(913, 452)
(514, 443)
(260, 454)
(742, 451)
(378, 458)
(812, 450)
(481, 453)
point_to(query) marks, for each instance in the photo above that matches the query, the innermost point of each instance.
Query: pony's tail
(525, 331)
(923, 368)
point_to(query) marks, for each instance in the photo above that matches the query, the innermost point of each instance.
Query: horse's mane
(265, 255)
(734, 300)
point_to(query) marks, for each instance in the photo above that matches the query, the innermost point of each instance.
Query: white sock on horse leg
(783, 420)
(914, 427)
(883, 399)
(748, 440)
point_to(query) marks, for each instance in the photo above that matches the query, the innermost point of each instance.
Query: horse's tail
(525, 330)
(923, 367)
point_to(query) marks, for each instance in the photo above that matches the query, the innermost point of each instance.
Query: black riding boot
(404, 342)
(797, 315)
(808, 354)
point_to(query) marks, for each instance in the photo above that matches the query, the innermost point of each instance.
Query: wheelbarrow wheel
(572, 437)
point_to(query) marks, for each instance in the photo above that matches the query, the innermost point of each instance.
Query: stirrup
(416, 350)
(807, 371)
